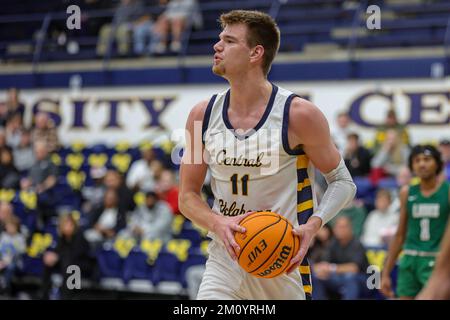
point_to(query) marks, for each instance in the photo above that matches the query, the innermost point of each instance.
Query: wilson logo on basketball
(267, 245)
(279, 263)
(262, 245)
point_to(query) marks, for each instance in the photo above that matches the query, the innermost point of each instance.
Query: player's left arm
(309, 129)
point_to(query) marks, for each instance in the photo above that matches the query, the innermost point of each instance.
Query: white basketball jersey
(257, 171)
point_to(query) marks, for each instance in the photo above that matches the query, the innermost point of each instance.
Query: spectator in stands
(403, 178)
(3, 143)
(444, 149)
(343, 266)
(319, 244)
(152, 220)
(12, 245)
(9, 175)
(106, 220)
(391, 122)
(357, 158)
(129, 17)
(42, 178)
(381, 223)
(356, 212)
(114, 180)
(178, 15)
(341, 131)
(71, 248)
(167, 190)
(390, 158)
(93, 195)
(141, 175)
(6, 212)
(13, 130)
(45, 129)
(11, 106)
(24, 153)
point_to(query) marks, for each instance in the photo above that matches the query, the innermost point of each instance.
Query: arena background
(108, 108)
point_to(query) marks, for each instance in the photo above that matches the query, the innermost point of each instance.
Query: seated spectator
(12, 245)
(343, 266)
(175, 18)
(356, 212)
(152, 220)
(167, 190)
(45, 129)
(93, 195)
(13, 130)
(106, 220)
(391, 123)
(42, 178)
(141, 175)
(129, 16)
(381, 223)
(388, 160)
(11, 106)
(319, 244)
(71, 249)
(3, 143)
(23, 153)
(9, 175)
(403, 178)
(342, 129)
(7, 213)
(444, 149)
(357, 158)
(114, 180)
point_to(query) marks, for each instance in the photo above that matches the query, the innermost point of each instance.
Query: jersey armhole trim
(285, 126)
(207, 116)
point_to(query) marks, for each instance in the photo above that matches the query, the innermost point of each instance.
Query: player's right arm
(395, 246)
(192, 175)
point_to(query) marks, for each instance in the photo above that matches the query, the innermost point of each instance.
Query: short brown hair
(262, 30)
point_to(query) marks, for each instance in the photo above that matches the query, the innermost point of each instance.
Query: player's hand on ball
(306, 232)
(386, 286)
(225, 227)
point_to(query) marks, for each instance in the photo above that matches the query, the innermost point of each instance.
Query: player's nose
(218, 46)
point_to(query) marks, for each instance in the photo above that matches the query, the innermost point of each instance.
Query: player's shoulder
(300, 106)
(404, 191)
(304, 116)
(199, 110)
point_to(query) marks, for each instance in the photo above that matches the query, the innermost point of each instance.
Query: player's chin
(218, 70)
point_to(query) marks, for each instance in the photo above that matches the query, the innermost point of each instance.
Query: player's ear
(257, 53)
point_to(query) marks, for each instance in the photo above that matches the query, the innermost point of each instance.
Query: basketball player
(438, 287)
(424, 211)
(296, 136)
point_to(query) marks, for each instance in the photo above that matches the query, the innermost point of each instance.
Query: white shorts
(224, 279)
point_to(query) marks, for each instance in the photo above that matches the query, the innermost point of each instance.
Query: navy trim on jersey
(285, 126)
(227, 122)
(207, 116)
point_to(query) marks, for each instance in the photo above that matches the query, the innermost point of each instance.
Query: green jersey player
(423, 219)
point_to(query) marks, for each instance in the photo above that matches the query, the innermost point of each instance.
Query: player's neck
(247, 93)
(429, 184)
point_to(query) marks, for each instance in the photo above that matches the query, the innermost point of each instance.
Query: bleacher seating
(301, 22)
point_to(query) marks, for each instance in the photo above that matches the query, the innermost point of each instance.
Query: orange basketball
(268, 244)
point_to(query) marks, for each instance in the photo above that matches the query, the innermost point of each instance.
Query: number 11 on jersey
(244, 182)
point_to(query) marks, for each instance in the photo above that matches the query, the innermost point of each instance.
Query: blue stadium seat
(196, 257)
(137, 267)
(388, 183)
(167, 268)
(110, 263)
